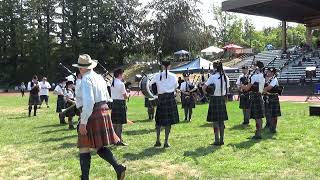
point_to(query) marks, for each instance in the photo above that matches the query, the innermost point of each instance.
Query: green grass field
(40, 148)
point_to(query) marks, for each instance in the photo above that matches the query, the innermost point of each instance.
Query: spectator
(300, 64)
(22, 89)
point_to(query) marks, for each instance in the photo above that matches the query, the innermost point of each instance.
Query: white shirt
(78, 93)
(166, 85)
(274, 82)
(184, 87)
(118, 90)
(238, 83)
(59, 91)
(44, 88)
(94, 90)
(260, 79)
(214, 79)
(69, 94)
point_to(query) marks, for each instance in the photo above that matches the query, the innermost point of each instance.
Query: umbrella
(181, 52)
(211, 50)
(232, 46)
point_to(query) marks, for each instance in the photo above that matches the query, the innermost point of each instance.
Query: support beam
(309, 36)
(284, 35)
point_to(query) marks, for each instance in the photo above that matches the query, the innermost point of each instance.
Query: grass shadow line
(60, 138)
(139, 132)
(200, 152)
(149, 152)
(207, 125)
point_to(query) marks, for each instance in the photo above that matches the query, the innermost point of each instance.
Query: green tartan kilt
(167, 110)
(217, 109)
(273, 106)
(119, 112)
(256, 106)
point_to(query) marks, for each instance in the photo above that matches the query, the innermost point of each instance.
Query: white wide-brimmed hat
(85, 61)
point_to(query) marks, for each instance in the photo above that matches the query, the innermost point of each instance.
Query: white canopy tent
(211, 51)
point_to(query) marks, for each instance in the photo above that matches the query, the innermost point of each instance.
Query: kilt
(72, 111)
(61, 104)
(167, 110)
(119, 112)
(217, 109)
(256, 106)
(244, 101)
(273, 106)
(34, 100)
(187, 102)
(100, 129)
(150, 103)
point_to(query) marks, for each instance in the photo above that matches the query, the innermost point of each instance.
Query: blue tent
(196, 65)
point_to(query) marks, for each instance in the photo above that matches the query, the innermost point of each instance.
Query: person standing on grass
(70, 97)
(95, 129)
(217, 112)
(187, 99)
(60, 91)
(34, 99)
(119, 105)
(167, 110)
(256, 86)
(272, 103)
(44, 91)
(244, 95)
(22, 89)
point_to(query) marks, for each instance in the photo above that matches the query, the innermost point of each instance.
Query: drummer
(187, 97)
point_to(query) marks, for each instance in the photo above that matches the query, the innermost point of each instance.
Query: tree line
(36, 35)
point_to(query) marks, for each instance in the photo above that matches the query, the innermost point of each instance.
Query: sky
(206, 6)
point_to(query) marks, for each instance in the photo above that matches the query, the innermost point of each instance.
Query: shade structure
(182, 52)
(232, 46)
(197, 65)
(211, 50)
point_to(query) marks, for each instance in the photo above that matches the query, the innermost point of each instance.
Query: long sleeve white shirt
(94, 90)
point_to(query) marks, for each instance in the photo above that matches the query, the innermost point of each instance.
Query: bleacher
(266, 57)
(294, 71)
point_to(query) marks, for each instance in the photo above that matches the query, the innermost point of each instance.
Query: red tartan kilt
(100, 130)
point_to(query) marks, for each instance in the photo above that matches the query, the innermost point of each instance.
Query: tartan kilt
(150, 103)
(119, 112)
(273, 106)
(167, 110)
(256, 106)
(100, 130)
(187, 102)
(244, 101)
(72, 111)
(34, 100)
(61, 104)
(217, 109)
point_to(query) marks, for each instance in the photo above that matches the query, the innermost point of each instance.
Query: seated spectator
(300, 64)
(304, 59)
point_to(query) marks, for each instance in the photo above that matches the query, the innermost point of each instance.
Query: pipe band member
(70, 98)
(217, 112)
(272, 103)
(256, 86)
(95, 127)
(44, 91)
(150, 104)
(119, 105)
(60, 91)
(244, 95)
(167, 111)
(34, 99)
(187, 97)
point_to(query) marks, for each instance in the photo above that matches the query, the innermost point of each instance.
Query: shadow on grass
(143, 121)
(18, 117)
(139, 132)
(68, 145)
(51, 125)
(149, 152)
(60, 138)
(207, 125)
(239, 127)
(54, 131)
(200, 152)
(251, 142)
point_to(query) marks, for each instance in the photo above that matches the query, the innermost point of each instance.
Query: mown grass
(40, 148)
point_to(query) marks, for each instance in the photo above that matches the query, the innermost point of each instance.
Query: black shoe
(47, 106)
(71, 127)
(273, 131)
(216, 144)
(221, 143)
(256, 137)
(120, 143)
(157, 144)
(185, 119)
(121, 172)
(245, 123)
(166, 145)
(63, 122)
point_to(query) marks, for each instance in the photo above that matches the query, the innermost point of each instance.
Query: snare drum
(146, 86)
